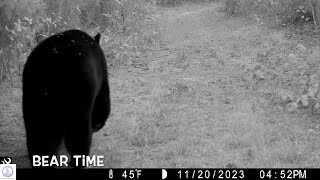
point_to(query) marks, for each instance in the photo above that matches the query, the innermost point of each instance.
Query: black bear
(66, 94)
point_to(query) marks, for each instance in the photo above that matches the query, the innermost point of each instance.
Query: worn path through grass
(185, 104)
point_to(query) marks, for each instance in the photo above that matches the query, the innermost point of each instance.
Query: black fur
(65, 93)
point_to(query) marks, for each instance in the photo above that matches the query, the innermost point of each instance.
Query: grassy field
(186, 102)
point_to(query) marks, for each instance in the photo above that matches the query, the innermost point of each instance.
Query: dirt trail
(184, 105)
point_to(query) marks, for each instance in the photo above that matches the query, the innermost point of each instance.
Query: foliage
(288, 82)
(122, 22)
(280, 12)
(24, 35)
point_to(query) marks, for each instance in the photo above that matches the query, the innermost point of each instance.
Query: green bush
(122, 22)
(279, 12)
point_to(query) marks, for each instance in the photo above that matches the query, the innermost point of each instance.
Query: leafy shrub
(24, 35)
(280, 12)
(289, 82)
(123, 23)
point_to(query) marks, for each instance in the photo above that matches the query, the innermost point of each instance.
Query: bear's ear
(97, 38)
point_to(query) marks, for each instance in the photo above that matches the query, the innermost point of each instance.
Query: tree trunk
(317, 10)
